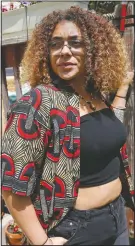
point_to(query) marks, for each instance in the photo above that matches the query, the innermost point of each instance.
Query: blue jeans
(103, 226)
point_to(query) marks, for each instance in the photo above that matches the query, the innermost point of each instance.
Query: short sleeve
(23, 144)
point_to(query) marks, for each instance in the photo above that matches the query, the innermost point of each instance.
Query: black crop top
(102, 135)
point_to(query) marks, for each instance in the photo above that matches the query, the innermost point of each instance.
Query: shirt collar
(73, 99)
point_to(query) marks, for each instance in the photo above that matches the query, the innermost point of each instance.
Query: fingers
(129, 78)
(58, 240)
(63, 240)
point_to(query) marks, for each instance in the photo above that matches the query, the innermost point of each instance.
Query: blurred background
(18, 21)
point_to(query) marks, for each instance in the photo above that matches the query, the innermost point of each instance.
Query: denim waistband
(92, 212)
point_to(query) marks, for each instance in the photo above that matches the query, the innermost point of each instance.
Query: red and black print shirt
(41, 153)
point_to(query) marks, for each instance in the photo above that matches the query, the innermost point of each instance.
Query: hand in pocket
(56, 241)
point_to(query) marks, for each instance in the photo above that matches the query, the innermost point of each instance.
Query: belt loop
(87, 214)
(111, 207)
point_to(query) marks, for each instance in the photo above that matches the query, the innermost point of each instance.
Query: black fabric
(102, 135)
(106, 225)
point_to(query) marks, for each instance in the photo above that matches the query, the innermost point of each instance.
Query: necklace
(90, 103)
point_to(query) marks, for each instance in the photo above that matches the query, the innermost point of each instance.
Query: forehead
(65, 29)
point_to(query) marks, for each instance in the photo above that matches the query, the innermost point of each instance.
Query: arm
(24, 214)
(19, 172)
(23, 146)
(119, 101)
(120, 97)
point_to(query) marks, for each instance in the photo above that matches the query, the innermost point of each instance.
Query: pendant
(93, 107)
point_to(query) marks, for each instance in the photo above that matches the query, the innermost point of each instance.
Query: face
(67, 52)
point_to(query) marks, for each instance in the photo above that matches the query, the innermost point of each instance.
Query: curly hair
(106, 61)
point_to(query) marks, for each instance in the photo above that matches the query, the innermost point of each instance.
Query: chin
(68, 76)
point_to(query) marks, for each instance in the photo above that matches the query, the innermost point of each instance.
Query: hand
(129, 78)
(56, 241)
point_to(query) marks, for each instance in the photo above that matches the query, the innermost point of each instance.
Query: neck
(78, 85)
(79, 88)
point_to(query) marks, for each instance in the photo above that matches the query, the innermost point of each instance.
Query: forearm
(24, 214)
(118, 101)
(120, 98)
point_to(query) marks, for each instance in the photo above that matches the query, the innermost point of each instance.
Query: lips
(66, 64)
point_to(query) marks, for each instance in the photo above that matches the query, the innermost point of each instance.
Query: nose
(66, 51)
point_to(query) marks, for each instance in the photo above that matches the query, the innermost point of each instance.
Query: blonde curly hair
(106, 60)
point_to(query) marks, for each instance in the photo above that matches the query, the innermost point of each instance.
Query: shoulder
(34, 98)
(34, 105)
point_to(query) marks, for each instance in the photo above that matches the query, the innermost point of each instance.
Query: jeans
(103, 226)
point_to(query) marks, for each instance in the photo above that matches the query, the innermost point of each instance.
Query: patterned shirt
(41, 153)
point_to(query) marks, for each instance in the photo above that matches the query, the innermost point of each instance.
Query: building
(15, 34)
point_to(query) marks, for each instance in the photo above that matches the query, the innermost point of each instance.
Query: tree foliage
(103, 7)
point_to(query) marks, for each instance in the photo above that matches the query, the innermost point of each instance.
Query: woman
(58, 190)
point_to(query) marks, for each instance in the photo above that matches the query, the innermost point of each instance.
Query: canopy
(17, 25)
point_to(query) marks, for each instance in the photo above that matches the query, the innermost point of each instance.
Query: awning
(18, 24)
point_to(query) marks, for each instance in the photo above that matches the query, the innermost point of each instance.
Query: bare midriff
(98, 196)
